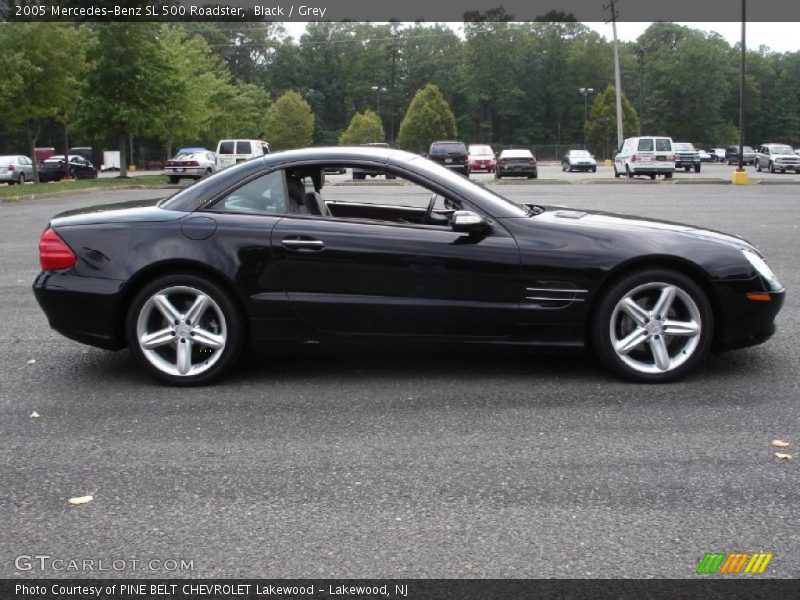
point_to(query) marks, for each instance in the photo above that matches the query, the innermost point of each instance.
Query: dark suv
(359, 173)
(732, 155)
(450, 154)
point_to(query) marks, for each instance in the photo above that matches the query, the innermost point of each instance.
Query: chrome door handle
(303, 245)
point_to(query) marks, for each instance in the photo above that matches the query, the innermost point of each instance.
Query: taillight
(10, 167)
(192, 163)
(54, 254)
(532, 161)
(169, 163)
(634, 158)
(671, 157)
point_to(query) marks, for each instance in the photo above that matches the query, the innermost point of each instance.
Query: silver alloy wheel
(655, 328)
(181, 331)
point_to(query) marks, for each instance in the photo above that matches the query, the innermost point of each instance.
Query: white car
(193, 165)
(578, 160)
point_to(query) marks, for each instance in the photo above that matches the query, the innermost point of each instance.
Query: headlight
(762, 268)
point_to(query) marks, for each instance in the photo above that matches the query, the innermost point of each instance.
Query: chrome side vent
(552, 294)
(569, 214)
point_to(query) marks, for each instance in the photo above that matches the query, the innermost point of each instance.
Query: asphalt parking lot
(401, 463)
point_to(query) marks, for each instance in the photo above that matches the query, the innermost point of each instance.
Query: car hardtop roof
(447, 142)
(333, 154)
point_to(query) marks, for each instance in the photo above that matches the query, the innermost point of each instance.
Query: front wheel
(652, 326)
(771, 167)
(184, 330)
(697, 168)
(758, 166)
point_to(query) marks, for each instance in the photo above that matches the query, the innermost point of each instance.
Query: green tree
(601, 126)
(200, 80)
(240, 111)
(428, 118)
(130, 85)
(34, 85)
(364, 128)
(289, 122)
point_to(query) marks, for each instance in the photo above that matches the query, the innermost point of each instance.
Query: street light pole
(585, 92)
(378, 89)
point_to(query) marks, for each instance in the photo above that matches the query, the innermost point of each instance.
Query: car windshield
(580, 153)
(190, 155)
(480, 150)
(782, 150)
(683, 147)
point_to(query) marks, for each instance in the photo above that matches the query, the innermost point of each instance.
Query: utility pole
(740, 175)
(617, 79)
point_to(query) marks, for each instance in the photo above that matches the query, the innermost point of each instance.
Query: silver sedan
(15, 168)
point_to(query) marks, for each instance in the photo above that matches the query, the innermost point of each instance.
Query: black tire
(570, 169)
(667, 175)
(173, 179)
(208, 172)
(652, 176)
(686, 169)
(359, 176)
(594, 169)
(628, 173)
(697, 168)
(758, 166)
(232, 326)
(771, 167)
(607, 312)
(536, 175)
(21, 180)
(616, 173)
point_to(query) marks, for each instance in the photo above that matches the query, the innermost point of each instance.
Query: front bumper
(744, 322)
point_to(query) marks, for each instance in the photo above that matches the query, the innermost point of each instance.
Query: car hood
(120, 212)
(620, 223)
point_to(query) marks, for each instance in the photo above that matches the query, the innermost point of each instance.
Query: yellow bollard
(740, 177)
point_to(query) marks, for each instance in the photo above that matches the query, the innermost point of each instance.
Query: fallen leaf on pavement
(32, 361)
(783, 455)
(35, 415)
(779, 444)
(80, 500)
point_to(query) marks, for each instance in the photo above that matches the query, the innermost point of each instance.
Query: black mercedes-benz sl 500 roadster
(256, 254)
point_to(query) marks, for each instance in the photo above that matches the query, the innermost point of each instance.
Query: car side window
(645, 145)
(264, 195)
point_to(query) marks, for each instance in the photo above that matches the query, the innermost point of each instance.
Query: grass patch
(15, 191)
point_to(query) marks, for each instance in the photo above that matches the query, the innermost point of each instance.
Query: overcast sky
(780, 37)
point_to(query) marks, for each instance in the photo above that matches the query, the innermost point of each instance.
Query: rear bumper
(83, 309)
(185, 172)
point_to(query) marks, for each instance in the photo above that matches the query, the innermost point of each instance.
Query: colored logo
(733, 563)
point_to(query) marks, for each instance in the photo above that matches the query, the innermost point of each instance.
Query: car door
(364, 277)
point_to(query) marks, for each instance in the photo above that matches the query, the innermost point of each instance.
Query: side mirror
(466, 221)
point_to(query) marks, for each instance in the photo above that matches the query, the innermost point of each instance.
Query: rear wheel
(173, 179)
(628, 173)
(594, 169)
(184, 330)
(667, 175)
(652, 326)
(686, 168)
(652, 176)
(697, 168)
(771, 167)
(208, 172)
(616, 173)
(758, 166)
(21, 179)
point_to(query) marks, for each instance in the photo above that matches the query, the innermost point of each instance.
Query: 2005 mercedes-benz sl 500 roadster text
(256, 253)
